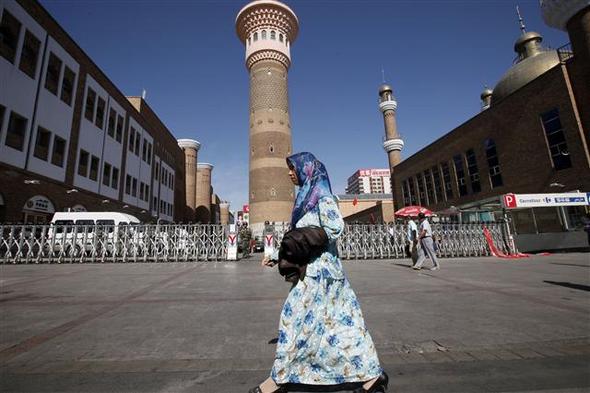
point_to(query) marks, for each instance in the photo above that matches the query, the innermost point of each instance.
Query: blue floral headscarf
(314, 183)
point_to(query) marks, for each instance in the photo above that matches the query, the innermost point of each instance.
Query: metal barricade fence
(180, 243)
(110, 243)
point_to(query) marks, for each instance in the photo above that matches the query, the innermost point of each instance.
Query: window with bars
(405, 192)
(30, 54)
(460, 171)
(412, 188)
(494, 171)
(473, 170)
(555, 137)
(446, 172)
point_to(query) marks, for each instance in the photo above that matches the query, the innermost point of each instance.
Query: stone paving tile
(504, 354)
(483, 354)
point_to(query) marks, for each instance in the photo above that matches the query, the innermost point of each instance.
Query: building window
(460, 171)
(493, 163)
(273, 35)
(560, 155)
(447, 180)
(429, 187)
(119, 133)
(134, 188)
(52, 74)
(89, 110)
(421, 194)
(144, 150)
(473, 170)
(255, 37)
(141, 190)
(59, 151)
(280, 37)
(2, 112)
(30, 54)
(83, 163)
(147, 193)
(42, 144)
(131, 139)
(128, 185)
(15, 134)
(157, 171)
(412, 188)
(155, 205)
(111, 123)
(263, 36)
(9, 32)
(100, 113)
(67, 86)
(149, 153)
(94, 168)
(115, 178)
(406, 192)
(137, 143)
(438, 190)
(106, 174)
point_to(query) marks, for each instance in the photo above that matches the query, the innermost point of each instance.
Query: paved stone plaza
(476, 325)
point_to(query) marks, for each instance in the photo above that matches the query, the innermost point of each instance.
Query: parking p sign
(509, 201)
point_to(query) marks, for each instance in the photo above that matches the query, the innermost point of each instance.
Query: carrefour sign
(515, 201)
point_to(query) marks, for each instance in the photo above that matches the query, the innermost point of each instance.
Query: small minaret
(486, 98)
(392, 144)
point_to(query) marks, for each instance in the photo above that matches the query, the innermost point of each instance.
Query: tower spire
(520, 20)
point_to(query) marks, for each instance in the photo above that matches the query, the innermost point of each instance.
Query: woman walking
(322, 336)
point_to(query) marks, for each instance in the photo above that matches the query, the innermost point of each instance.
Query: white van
(72, 232)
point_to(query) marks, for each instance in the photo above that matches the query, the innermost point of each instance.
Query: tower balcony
(390, 105)
(396, 144)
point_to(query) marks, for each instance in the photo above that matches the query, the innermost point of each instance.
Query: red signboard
(510, 201)
(246, 208)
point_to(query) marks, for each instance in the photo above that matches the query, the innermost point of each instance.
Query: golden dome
(533, 61)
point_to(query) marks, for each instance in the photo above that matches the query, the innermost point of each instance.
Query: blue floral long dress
(322, 335)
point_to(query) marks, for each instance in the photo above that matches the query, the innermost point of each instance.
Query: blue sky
(437, 55)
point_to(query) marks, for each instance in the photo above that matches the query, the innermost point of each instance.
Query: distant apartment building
(69, 139)
(369, 181)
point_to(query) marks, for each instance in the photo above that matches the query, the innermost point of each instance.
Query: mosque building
(531, 136)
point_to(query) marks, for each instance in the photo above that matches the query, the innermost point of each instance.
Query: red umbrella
(412, 211)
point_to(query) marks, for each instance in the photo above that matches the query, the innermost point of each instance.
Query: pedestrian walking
(245, 235)
(412, 239)
(426, 244)
(322, 338)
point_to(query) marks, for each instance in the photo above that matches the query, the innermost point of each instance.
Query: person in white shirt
(426, 243)
(412, 239)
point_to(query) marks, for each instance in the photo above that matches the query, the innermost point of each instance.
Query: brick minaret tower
(203, 196)
(392, 143)
(268, 28)
(191, 149)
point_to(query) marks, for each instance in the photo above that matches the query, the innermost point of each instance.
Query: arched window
(263, 34)
(493, 163)
(281, 37)
(249, 40)
(273, 35)
(255, 36)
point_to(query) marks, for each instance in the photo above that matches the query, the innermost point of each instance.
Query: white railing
(182, 243)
